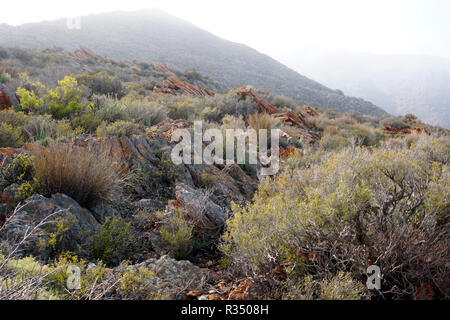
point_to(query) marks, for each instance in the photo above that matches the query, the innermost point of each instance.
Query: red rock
(194, 294)
(404, 131)
(7, 99)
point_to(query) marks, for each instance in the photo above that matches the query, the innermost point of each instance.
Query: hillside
(400, 83)
(155, 36)
(88, 181)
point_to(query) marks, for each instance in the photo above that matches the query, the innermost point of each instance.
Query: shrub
(109, 109)
(260, 121)
(177, 232)
(82, 173)
(114, 242)
(25, 279)
(351, 208)
(28, 100)
(394, 122)
(87, 122)
(102, 83)
(63, 101)
(43, 129)
(95, 282)
(136, 284)
(13, 118)
(18, 171)
(145, 112)
(232, 122)
(341, 287)
(119, 128)
(10, 136)
(365, 135)
(333, 142)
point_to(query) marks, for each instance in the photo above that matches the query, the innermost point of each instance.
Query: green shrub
(18, 171)
(134, 284)
(10, 136)
(102, 83)
(119, 128)
(145, 112)
(27, 189)
(353, 206)
(13, 118)
(109, 109)
(29, 101)
(64, 100)
(341, 287)
(43, 129)
(114, 242)
(365, 135)
(232, 122)
(88, 122)
(177, 233)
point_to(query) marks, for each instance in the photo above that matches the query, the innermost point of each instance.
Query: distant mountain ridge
(400, 83)
(155, 36)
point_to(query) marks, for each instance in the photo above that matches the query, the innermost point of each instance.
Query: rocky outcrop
(151, 152)
(62, 215)
(173, 85)
(7, 98)
(403, 131)
(172, 278)
(207, 217)
(284, 116)
(104, 211)
(263, 106)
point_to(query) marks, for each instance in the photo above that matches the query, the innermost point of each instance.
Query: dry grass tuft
(86, 175)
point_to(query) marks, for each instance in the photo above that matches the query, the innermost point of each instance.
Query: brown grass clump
(259, 121)
(84, 174)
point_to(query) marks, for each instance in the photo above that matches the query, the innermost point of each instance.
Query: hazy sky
(278, 27)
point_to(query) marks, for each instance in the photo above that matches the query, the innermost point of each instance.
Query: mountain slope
(400, 83)
(155, 36)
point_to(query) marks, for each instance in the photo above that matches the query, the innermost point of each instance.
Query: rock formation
(8, 99)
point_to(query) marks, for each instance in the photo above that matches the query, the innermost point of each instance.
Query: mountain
(399, 83)
(155, 36)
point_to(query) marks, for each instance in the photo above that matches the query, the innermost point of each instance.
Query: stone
(80, 222)
(5, 211)
(172, 277)
(9, 195)
(103, 211)
(7, 98)
(208, 217)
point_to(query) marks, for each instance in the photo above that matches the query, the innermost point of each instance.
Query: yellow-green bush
(28, 100)
(114, 242)
(18, 171)
(16, 119)
(119, 128)
(26, 279)
(177, 233)
(43, 129)
(10, 136)
(64, 100)
(352, 206)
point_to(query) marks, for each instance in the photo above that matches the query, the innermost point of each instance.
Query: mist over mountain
(398, 83)
(155, 36)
